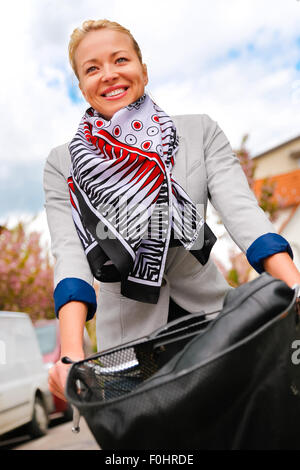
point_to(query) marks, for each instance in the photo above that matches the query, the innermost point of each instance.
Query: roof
(286, 189)
(8, 314)
(283, 144)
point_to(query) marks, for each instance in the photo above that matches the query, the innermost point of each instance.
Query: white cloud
(186, 46)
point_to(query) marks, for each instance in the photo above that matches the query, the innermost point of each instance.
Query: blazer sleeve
(73, 279)
(231, 196)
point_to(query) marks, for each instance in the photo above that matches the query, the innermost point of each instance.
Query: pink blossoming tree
(26, 274)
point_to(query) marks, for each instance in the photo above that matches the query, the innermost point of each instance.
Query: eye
(121, 59)
(91, 69)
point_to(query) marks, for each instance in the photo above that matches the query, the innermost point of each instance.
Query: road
(59, 437)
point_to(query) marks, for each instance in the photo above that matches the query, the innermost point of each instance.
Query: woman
(127, 150)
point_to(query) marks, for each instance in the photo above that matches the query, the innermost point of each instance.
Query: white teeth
(115, 92)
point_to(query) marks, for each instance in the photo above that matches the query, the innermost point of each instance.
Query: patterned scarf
(125, 204)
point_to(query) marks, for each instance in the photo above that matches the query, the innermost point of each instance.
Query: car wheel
(38, 426)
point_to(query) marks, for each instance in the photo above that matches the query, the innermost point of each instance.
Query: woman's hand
(57, 378)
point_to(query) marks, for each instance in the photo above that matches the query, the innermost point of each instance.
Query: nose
(109, 73)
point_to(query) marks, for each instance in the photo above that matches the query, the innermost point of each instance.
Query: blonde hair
(93, 25)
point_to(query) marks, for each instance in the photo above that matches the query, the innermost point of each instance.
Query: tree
(26, 274)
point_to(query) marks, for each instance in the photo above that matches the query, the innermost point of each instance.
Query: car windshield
(46, 337)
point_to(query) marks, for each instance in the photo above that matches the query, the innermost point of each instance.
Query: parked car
(25, 398)
(49, 340)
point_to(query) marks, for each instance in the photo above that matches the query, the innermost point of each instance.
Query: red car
(49, 341)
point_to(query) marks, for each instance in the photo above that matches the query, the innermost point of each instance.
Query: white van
(24, 394)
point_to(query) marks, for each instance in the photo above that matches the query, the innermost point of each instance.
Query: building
(280, 165)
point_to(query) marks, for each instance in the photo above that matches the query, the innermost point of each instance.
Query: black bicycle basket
(199, 383)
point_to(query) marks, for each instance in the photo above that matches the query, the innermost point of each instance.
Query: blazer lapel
(179, 169)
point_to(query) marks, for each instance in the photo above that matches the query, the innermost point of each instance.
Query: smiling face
(110, 73)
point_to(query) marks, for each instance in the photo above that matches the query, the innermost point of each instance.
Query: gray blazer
(205, 167)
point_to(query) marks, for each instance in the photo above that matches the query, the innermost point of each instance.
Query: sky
(236, 60)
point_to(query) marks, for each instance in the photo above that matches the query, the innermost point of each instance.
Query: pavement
(61, 437)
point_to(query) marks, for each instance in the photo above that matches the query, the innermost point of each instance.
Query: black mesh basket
(226, 383)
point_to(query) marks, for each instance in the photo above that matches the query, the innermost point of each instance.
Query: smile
(115, 93)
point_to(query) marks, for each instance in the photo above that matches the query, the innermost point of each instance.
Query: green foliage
(267, 201)
(233, 277)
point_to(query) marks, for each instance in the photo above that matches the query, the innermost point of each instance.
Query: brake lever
(76, 412)
(76, 420)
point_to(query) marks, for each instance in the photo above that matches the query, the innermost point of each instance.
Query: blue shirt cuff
(72, 288)
(264, 246)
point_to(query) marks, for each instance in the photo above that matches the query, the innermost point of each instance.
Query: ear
(145, 74)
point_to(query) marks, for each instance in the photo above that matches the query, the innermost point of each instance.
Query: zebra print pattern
(123, 197)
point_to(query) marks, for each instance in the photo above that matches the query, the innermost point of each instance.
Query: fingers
(55, 389)
(57, 379)
(57, 392)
